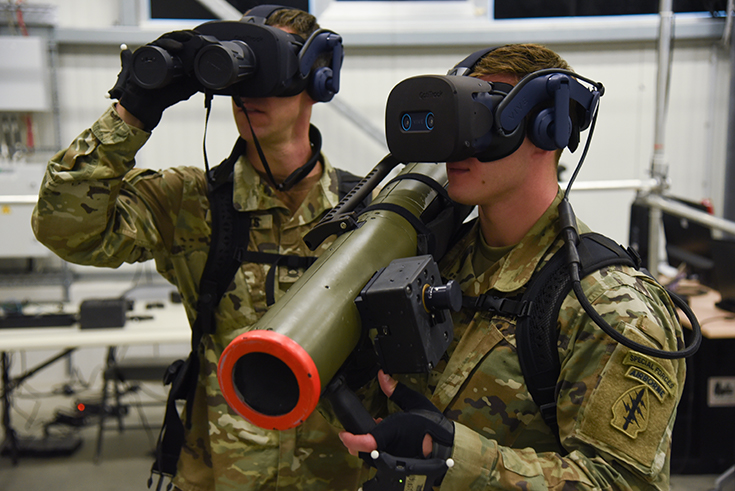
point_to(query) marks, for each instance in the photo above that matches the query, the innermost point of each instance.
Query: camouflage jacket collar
(515, 269)
(253, 193)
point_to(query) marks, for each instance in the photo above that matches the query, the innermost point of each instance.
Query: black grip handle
(348, 408)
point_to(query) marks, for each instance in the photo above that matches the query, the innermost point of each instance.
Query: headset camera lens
(406, 122)
(430, 121)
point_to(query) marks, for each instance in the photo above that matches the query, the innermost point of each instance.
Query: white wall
(622, 147)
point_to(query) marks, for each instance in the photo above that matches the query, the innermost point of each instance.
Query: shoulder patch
(630, 411)
(651, 373)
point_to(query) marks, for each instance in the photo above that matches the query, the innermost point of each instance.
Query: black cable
(208, 106)
(571, 239)
(640, 348)
(583, 156)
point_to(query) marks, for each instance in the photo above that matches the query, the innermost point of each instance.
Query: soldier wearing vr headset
(614, 406)
(97, 208)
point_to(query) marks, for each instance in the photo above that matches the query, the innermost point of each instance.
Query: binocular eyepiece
(217, 65)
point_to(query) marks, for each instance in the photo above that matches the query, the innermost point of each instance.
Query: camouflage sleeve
(616, 407)
(88, 210)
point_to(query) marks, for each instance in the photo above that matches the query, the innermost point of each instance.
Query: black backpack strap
(597, 251)
(230, 234)
(537, 335)
(181, 375)
(537, 312)
(228, 250)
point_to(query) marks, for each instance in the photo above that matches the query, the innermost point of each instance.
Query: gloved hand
(405, 434)
(148, 104)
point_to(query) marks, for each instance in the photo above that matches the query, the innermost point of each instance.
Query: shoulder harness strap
(228, 239)
(538, 311)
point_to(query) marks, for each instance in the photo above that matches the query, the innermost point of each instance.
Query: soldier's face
(275, 120)
(473, 182)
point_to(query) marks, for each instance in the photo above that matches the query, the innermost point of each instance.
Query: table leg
(11, 437)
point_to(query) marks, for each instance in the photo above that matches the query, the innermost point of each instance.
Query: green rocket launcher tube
(274, 374)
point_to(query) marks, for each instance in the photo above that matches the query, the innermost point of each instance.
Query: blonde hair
(518, 60)
(302, 23)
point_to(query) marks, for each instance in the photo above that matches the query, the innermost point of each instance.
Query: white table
(167, 325)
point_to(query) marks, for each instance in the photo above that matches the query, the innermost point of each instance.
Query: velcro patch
(262, 221)
(621, 416)
(630, 411)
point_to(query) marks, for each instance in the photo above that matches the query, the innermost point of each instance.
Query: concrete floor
(126, 461)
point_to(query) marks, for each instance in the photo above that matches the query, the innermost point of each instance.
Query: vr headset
(246, 58)
(434, 118)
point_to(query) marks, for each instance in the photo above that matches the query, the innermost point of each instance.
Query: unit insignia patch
(631, 410)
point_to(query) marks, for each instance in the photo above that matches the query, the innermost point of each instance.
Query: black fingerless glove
(402, 434)
(148, 104)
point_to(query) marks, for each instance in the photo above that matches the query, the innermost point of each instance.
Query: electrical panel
(24, 74)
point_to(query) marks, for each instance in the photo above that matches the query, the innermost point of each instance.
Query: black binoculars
(217, 65)
(232, 58)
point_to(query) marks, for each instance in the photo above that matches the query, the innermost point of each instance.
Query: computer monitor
(638, 230)
(689, 243)
(686, 241)
(723, 256)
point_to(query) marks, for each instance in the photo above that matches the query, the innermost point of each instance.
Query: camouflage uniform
(616, 407)
(95, 209)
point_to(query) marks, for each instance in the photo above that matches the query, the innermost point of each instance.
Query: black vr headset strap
(262, 12)
(554, 87)
(466, 66)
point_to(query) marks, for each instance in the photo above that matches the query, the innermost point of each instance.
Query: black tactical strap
(424, 179)
(500, 305)
(425, 238)
(435, 236)
(538, 311)
(276, 260)
(230, 234)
